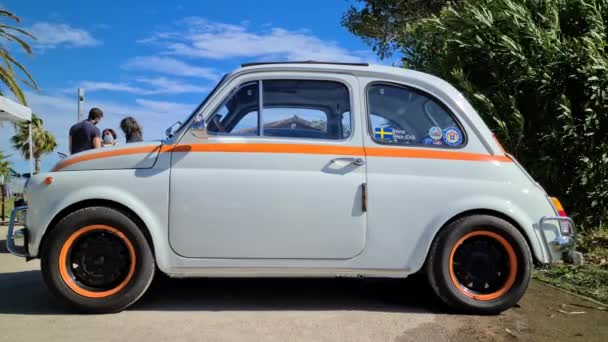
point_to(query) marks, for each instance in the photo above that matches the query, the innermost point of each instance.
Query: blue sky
(156, 60)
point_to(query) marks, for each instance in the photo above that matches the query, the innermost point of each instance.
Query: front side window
(305, 109)
(404, 116)
(290, 109)
(238, 115)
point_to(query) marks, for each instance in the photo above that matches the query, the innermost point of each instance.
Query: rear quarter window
(399, 115)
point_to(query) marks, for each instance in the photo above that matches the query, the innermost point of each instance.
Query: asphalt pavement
(285, 310)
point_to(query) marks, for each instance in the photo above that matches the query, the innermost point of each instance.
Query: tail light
(563, 225)
(558, 207)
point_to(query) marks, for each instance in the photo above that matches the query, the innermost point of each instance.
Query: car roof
(358, 69)
(419, 79)
(314, 66)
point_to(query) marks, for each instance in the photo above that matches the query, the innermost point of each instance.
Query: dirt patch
(544, 314)
(553, 315)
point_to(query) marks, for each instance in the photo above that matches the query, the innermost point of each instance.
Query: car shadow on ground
(25, 293)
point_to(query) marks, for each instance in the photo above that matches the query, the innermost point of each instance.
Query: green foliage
(381, 22)
(5, 164)
(44, 141)
(591, 279)
(537, 72)
(9, 65)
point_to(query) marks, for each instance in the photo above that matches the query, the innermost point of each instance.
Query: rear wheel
(479, 264)
(98, 260)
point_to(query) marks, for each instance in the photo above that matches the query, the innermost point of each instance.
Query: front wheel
(98, 260)
(479, 264)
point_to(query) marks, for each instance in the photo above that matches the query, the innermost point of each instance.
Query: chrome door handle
(356, 161)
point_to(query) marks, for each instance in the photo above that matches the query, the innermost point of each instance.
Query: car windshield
(211, 93)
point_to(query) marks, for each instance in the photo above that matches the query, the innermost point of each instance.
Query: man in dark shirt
(85, 135)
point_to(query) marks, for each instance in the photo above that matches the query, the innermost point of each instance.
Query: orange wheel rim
(69, 280)
(512, 273)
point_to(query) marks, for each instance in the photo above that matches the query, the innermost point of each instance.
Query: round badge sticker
(452, 136)
(435, 133)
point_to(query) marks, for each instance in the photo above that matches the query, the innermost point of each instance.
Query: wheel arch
(489, 212)
(98, 203)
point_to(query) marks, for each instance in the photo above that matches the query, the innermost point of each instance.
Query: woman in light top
(108, 137)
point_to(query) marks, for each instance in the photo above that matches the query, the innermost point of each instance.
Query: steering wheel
(218, 124)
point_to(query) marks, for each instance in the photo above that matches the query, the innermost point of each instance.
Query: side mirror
(199, 127)
(169, 131)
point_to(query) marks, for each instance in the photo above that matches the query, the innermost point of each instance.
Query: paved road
(283, 310)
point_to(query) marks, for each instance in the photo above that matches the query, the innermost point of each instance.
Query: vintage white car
(300, 169)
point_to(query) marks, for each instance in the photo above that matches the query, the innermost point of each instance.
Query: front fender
(140, 194)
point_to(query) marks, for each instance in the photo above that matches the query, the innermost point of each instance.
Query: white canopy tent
(11, 111)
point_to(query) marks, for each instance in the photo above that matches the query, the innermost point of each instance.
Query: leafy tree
(11, 34)
(44, 141)
(381, 22)
(537, 72)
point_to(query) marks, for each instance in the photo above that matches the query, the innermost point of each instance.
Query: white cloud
(205, 39)
(169, 66)
(165, 107)
(146, 86)
(91, 86)
(163, 85)
(51, 35)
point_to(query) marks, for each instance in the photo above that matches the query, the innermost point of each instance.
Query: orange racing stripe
(419, 153)
(104, 154)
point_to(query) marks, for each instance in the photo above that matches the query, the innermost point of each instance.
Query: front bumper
(16, 240)
(565, 238)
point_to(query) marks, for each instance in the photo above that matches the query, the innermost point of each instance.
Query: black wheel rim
(481, 265)
(98, 260)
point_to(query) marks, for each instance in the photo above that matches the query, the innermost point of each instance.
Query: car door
(279, 175)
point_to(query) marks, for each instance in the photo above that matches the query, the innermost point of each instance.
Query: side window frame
(260, 131)
(438, 101)
(232, 92)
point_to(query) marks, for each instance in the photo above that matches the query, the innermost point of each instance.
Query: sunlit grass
(590, 279)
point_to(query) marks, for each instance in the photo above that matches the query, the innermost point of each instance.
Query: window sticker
(435, 133)
(384, 133)
(452, 136)
(430, 141)
(400, 135)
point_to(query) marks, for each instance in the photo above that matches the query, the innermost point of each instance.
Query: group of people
(85, 135)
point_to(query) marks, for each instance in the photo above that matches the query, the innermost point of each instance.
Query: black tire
(111, 229)
(445, 275)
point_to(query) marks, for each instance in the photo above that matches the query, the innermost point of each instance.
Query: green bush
(537, 72)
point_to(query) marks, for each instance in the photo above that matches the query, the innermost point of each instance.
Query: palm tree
(44, 141)
(5, 164)
(11, 34)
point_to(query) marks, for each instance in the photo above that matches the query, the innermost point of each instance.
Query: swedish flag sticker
(384, 133)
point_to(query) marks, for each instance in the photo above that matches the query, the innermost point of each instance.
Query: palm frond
(22, 31)
(12, 37)
(12, 60)
(8, 78)
(5, 13)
